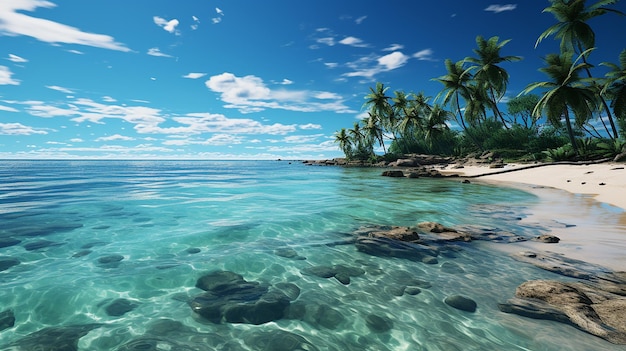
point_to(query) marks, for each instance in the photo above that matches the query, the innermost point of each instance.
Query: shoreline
(589, 218)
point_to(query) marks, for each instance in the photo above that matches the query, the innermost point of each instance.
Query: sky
(239, 79)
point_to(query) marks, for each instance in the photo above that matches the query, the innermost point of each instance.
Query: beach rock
(405, 162)
(278, 340)
(8, 262)
(53, 338)
(393, 174)
(559, 264)
(378, 324)
(230, 298)
(40, 244)
(587, 308)
(452, 268)
(548, 239)
(442, 232)
(396, 233)
(119, 307)
(327, 317)
(489, 234)
(6, 242)
(7, 320)
(384, 247)
(461, 303)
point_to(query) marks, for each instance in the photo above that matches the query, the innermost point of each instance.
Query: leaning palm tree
(487, 72)
(373, 131)
(456, 86)
(615, 86)
(576, 34)
(565, 92)
(343, 139)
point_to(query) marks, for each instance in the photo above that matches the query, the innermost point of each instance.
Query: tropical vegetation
(556, 119)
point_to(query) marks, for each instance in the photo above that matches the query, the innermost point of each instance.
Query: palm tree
(565, 92)
(456, 86)
(435, 124)
(380, 113)
(493, 78)
(615, 86)
(373, 130)
(575, 34)
(342, 138)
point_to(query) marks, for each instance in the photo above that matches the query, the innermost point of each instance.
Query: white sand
(571, 194)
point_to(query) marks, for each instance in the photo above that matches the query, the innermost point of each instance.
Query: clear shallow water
(237, 214)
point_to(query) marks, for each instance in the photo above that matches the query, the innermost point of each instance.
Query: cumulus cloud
(5, 77)
(19, 129)
(16, 59)
(394, 47)
(251, 94)
(169, 26)
(194, 75)
(157, 52)
(13, 22)
(392, 61)
(497, 8)
(352, 41)
(309, 126)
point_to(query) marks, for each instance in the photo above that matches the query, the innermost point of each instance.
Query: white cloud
(250, 94)
(76, 52)
(16, 59)
(108, 99)
(8, 109)
(60, 89)
(13, 22)
(392, 61)
(169, 26)
(424, 55)
(309, 126)
(497, 8)
(19, 129)
(157, 52)
(352, 41)
(360, 19)
(5, 77)
(196, 22)
(220, 14)
(115, 137)
(394, 47)
(76, 140)
(286, 82)
(330, 41)
(194, 75)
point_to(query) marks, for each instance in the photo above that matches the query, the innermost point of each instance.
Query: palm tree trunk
(465, 127)
(496, 110)
(570, 132)
(604, 103)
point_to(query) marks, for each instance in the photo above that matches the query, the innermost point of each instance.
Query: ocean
(107, 255)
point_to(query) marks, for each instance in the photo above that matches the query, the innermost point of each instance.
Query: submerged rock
(110, 261)
(40, 244)
(148, 343)
(278, 340)
(340, 272)
(6, 242)
(119, 307)
(378, 324)
(8, 262)
(230, 298)
(461, 303)
(7, 319)
(548, 239)
(54, 338)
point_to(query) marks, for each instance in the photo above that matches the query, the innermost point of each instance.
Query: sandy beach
(583, 205)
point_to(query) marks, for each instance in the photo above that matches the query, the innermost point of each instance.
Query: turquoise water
(168, 223)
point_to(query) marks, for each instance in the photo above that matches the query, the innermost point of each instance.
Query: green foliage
(563, 153)
(611, 148)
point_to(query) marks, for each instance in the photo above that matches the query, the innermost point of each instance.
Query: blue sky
(165, 79)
